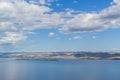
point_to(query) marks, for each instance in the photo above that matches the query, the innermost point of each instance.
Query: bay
(11, 69)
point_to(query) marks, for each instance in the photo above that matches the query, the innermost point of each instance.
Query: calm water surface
(11, 69)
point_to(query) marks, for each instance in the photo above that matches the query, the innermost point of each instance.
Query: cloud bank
(17, 17)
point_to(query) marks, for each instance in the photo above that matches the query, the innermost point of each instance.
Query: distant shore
(54, 56)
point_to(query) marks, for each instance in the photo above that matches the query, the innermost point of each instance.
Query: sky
(59, 25)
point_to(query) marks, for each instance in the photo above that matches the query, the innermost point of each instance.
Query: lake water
(11, 69)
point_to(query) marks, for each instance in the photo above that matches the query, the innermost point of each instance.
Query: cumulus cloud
(20, 15)
(51, 34)
(75, 37)
(107, 18)
(12, 37)
(42, 2)
(75, 2)
(115, 49)
(117, 1)
(17, 16)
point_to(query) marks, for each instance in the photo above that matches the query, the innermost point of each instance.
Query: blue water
(11, 69)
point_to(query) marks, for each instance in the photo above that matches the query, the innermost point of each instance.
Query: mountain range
(84, 55)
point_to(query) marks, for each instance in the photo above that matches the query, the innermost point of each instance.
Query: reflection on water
(11, 69)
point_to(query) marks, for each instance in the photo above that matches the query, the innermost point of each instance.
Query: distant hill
(63, 55)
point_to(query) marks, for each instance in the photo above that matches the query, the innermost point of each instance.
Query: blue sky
(59, 25)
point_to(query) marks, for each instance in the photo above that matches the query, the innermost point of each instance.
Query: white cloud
(75, 2)
(58, 5)
(115, 49)
(12, 37)
(107, 18)
(42, 2)
(117, 1)
(51, 34)
(77, 37)
(21, 16)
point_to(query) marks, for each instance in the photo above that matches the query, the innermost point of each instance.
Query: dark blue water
(11, 69)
